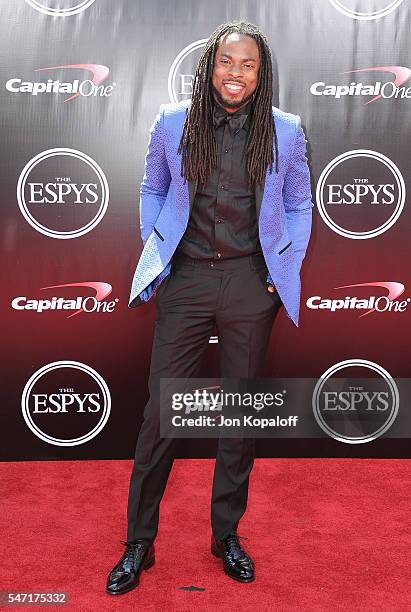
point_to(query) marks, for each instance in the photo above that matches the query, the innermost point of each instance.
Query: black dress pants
(198, 294)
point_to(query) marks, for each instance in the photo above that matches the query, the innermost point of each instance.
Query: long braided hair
(198, 144)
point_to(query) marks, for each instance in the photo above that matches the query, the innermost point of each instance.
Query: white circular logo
(386, 9)
(78, 7)
(54, 196)
(357, 190)
(183, 89)
(351, 412)
(65, 401)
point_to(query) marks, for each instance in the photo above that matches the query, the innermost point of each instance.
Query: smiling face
(235, 71)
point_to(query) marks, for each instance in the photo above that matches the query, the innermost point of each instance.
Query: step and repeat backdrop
(81, 82)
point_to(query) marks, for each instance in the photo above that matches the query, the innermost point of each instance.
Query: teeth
(233, 87)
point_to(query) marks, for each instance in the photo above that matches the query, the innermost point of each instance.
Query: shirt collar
(218, 110)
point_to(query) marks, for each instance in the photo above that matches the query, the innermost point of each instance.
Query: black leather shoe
(237, 564)
(125, 575)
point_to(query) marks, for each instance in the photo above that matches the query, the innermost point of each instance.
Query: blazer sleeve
(156, 180)
(297, 196)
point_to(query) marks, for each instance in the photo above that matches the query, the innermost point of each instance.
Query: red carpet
(325, 534)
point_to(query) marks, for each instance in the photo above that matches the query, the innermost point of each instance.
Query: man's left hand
(271, 288)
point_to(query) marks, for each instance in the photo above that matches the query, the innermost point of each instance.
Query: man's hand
(270, 284)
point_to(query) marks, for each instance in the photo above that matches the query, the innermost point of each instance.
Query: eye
(248, 65)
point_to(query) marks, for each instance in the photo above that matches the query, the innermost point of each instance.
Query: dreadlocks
(198, 144)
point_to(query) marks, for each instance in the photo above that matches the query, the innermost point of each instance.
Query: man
(225, 222)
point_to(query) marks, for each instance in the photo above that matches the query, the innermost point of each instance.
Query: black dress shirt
(223, 221)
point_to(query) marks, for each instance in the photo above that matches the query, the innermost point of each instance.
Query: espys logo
(358, 408)
(62, 193)
(380, 8)
(360, 203)
(388, 90)
(89, 304)
(72, 7)
(369, 303)
(181, 75)
(66, 403)
(90, 87)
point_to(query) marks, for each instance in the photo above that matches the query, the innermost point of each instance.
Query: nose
(235, 70)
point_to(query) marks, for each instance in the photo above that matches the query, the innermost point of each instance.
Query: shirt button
(227, 151)
(219, 221)
(211, 264)
(218, 254)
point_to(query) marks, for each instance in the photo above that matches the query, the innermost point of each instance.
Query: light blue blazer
(283, 203)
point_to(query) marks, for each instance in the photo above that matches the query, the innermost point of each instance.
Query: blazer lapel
(259, 192)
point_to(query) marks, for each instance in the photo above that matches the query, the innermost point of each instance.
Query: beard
(229, 103)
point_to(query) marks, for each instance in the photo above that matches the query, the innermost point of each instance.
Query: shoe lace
(232, 541)
(132, 549)
(234, 550)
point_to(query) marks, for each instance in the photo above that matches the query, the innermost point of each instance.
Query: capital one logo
(355, 401)
(62, 193)
(89, 304)
(181, 74)
(360, 194)
(66, 403)
(391, 89)
(70, 7)
(381, 8)
(370, 302)
(90, 87)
